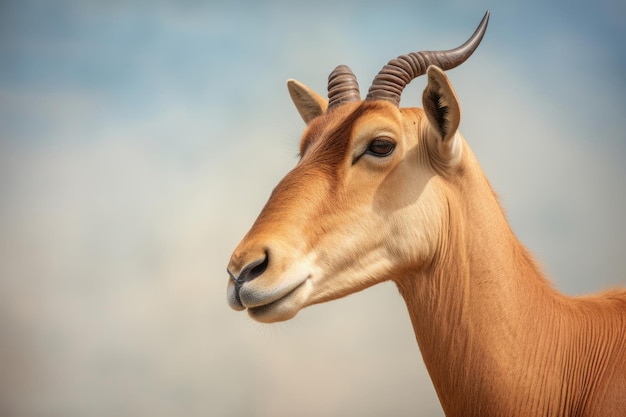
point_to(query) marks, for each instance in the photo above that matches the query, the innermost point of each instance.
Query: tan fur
(496, 338)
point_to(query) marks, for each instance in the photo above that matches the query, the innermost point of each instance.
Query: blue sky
(139, 140)
(132, 59)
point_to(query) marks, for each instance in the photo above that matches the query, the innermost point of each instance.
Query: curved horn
(394, 76)
(342, 87)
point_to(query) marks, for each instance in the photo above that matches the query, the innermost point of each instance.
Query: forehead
(333, 130)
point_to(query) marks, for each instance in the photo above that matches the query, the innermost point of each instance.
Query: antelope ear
(308, 103)
(444, 115)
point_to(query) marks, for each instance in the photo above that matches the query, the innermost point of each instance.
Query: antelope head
(364, 202)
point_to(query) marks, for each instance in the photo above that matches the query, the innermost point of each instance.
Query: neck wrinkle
(473, 308)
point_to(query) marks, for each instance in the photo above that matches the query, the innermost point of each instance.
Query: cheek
(401, 187)
(347, 235)
(414, 230)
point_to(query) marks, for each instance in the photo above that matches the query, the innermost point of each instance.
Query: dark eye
(381, 147)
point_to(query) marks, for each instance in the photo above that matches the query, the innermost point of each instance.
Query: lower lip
(259, 312)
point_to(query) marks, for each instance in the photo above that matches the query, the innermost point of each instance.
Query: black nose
(252, 270)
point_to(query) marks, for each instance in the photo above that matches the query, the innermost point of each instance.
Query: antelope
(383, 193)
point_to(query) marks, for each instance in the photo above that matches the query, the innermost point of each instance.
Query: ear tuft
(443, 112)
(439, 111)
(308, 103)
(441, 104)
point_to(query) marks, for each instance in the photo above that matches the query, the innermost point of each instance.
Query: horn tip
(485, 18)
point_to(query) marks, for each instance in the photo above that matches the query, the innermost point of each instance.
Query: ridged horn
(394, 76)
(342, 87)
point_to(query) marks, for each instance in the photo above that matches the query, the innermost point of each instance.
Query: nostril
(254, 269)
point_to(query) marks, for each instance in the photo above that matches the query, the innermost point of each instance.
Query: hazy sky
(139, 140)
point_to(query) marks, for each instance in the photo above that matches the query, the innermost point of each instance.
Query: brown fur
(499, 340)
(496, 337)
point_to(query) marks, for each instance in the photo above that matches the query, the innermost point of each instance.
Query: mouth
(273, 305)
(284, 308)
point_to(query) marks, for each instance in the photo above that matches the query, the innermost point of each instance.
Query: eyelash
(380, 147)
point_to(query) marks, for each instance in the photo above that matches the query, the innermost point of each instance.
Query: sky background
(140, 139)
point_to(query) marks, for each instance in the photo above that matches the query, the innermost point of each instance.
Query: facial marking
(383, 127)
(326, 142)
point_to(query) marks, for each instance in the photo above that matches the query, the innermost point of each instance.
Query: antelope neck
(476, 310)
